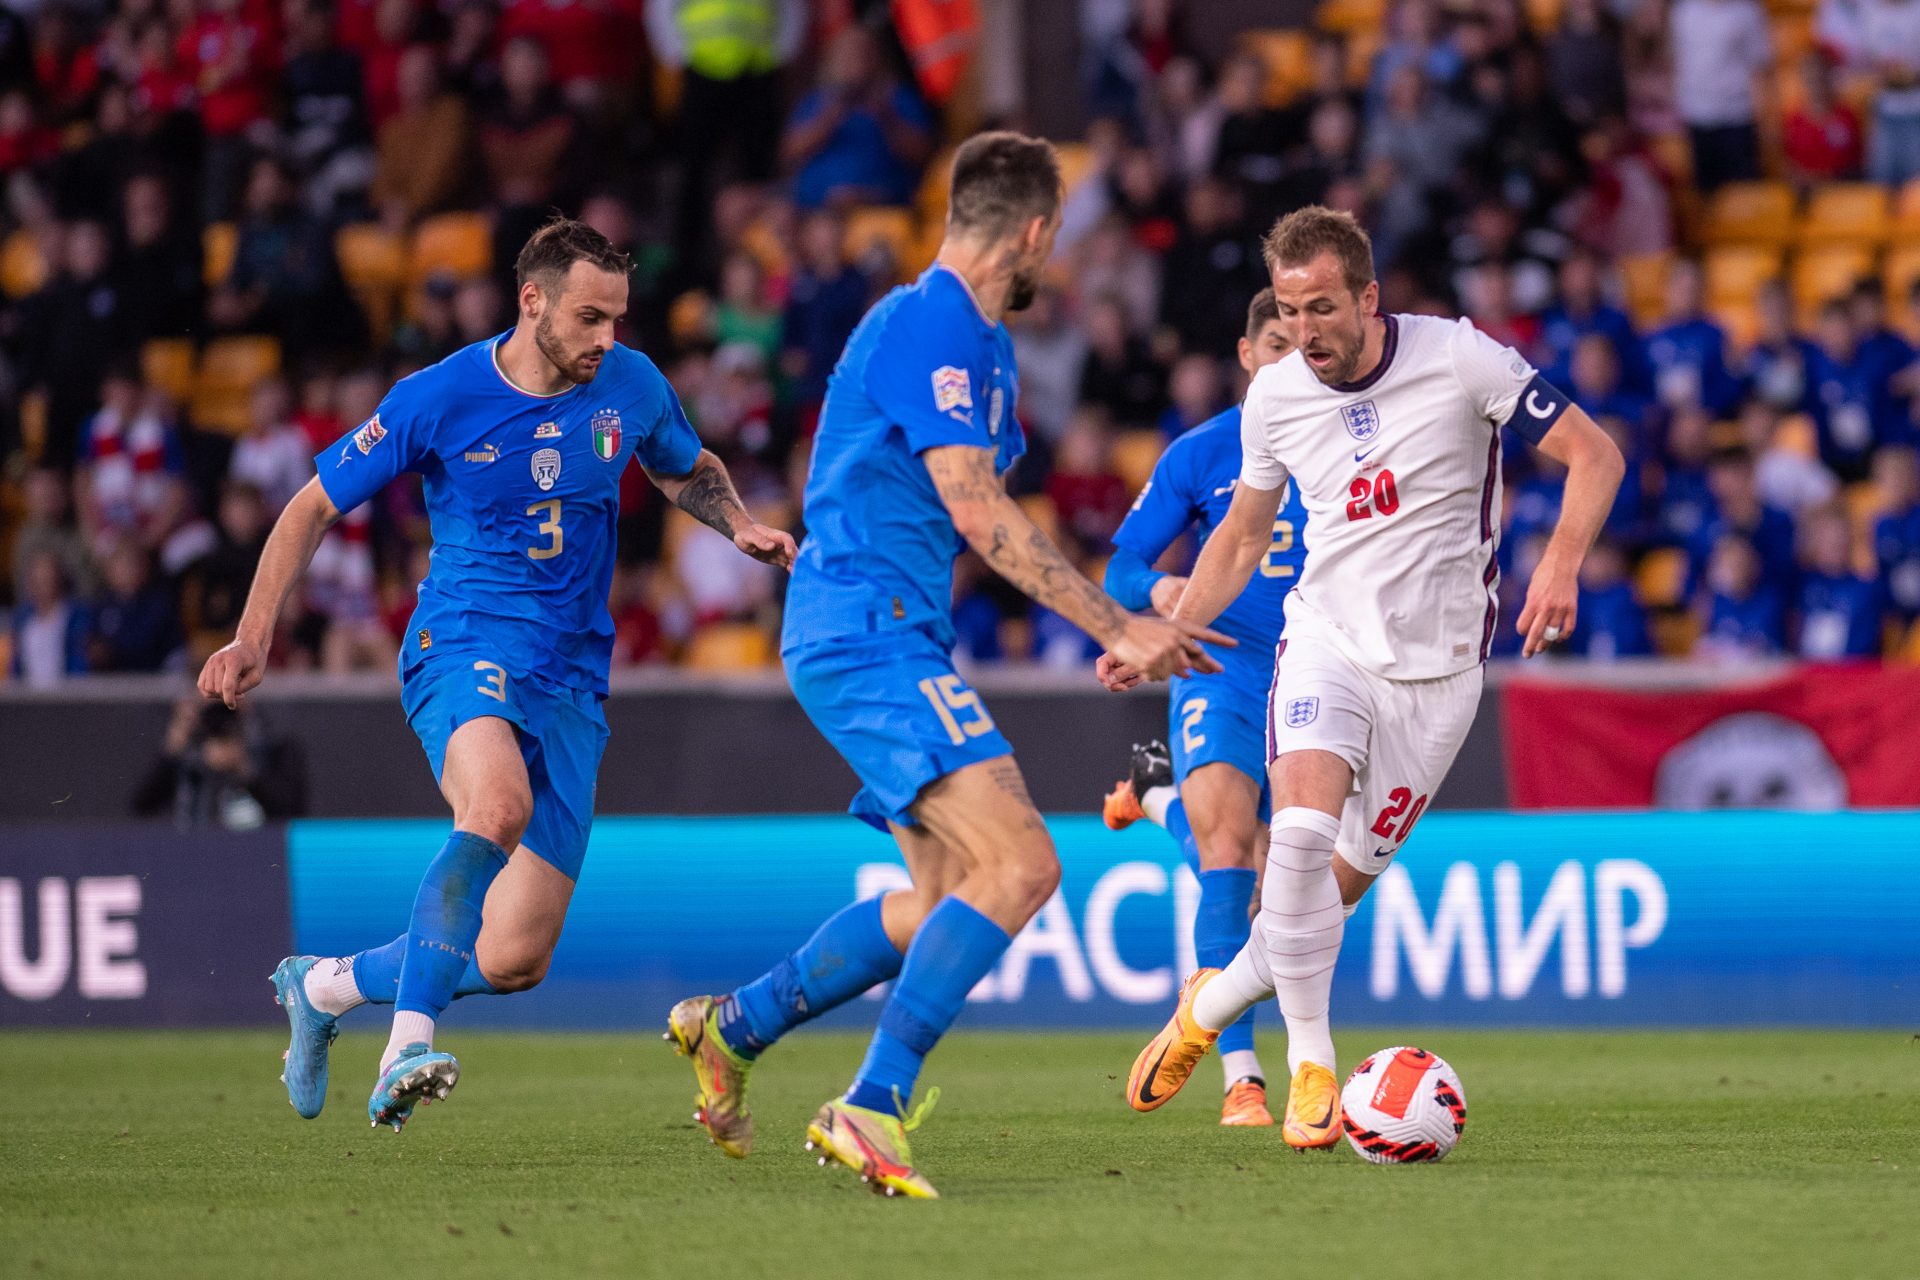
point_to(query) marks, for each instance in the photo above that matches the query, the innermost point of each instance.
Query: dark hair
(551, 252)
(1305, 234)
(1001, 180)
(1263, 308)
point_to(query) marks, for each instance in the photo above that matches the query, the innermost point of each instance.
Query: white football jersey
(1400, 474)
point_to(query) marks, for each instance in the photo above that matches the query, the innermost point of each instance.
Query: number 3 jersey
(1400, 476)
(523, 492)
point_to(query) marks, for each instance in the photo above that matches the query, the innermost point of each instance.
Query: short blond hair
(1306, 233)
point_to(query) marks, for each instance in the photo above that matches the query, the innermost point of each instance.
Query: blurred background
(227, 226)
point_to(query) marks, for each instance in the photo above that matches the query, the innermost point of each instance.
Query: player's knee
(518, 970)
(500, 818)
(1034, 878)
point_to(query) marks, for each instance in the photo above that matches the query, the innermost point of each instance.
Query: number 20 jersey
(523, 492)
(1400, 475)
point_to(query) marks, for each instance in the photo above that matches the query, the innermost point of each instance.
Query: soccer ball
(1402, 1105)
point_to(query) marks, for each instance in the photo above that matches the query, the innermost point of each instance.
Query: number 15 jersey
(1400, 476)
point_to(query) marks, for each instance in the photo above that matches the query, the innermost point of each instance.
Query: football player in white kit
(1389, 426)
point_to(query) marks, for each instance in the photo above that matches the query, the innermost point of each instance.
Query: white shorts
(1399, 736)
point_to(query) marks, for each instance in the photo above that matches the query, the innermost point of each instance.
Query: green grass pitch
(1604, 1155)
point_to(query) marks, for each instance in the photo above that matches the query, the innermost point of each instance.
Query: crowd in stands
(229, 225)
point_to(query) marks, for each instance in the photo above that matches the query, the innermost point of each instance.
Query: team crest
(546, 468)
(606, 435)
(952, 389)
(1302, 712)
(1363, 420)
(547, 431)
(369, 435)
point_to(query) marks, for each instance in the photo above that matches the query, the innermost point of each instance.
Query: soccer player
(521, 440)
(1219, 759)
(917, 430)
(1389, 428)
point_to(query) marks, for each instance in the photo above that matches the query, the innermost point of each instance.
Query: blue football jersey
(523, 492)
(1193, 482)
(924, 369)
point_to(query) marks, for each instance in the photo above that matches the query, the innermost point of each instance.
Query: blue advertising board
(1550, 919)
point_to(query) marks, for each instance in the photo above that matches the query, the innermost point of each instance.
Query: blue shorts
(894, 708)
(1222, 719)
(562, 735)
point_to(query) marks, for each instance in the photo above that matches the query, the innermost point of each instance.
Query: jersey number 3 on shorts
(951, 699)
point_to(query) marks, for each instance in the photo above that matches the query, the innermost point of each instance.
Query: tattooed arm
(706, 493)
(993, 525)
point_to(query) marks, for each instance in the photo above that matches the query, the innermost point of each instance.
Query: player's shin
(955, 948)
(845, 957)
(1221, 926)
(1302, 921)
(441, 935)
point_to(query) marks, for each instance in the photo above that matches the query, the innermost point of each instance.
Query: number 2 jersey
(1400, 476)
(523, 492)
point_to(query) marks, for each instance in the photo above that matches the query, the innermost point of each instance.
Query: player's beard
(578, 369)
(1346, 361)
(1023, 290)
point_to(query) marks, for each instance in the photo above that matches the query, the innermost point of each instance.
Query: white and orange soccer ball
(1403, 1105)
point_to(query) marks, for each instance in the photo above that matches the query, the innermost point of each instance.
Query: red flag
(1815, 738)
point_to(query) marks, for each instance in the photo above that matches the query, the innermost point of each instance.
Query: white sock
(330, 985)
(1243, 984)
(1240, 1065)
(1347, 910)
(408, 1028)
(1304, 921)
(1154, 804)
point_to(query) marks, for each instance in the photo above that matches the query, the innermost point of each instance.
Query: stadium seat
(881, 228)
(460, 244)
(167, 363)
(1793, 35)
(1288, 56)
(218, 244)
(1134, 455)
(1906, 212)
(1674, 632)
(931, 198)
(1544, 16)
(1661, 578)
(1847, 214)
(1796, 435)
(730, 646)
(223, 386)
(1350, 17)
(23, 268)
(1076, 164)
(1820, 275)
(762, 239)
(1898, 274)
(1909, 650)
(1749, 213)
(1735, 273)
(1740, 319)
(1362, 47)
(1645, 281)
(373, 261)
(33, 423)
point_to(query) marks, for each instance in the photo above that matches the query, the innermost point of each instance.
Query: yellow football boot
(874, 1145)
(720, 1106)
(1170, 1057)
(1246, 1104)
(1313, 1109)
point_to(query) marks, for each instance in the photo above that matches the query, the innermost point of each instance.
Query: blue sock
(376, 972)
(954, 949)
(1182, 831)
(845, 956)
(1220, 928)
(446, 922)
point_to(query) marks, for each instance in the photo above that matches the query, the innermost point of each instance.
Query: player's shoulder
(1213, 440)
(445, 388)
(937, 312)
(635, 370)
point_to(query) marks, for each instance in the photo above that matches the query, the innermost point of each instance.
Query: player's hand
(233, 671)
(1159, 649)
(1166, 594)
(1115, 675)
(1552, 599)
(766, 544)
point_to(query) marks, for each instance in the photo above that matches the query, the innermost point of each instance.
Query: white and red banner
(1814, 738)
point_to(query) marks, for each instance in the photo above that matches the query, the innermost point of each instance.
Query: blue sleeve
(925, 377)
(1163, 510)
(397, 438)
(907, 105)
(671, 447)
(1130, 579)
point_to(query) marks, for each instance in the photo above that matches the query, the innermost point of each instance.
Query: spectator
(860, 136)
(1332, 155)
(592, 48)
(1786, 473)
(426, 146)
(1779, 367)
(1089, 498)
(1739, 612)
(1120, 374)
(1112, 262)
(743, 314)
(1415, 41)
(1879, 344)
(49, 627)
(1488, 299)
(1623, 210)
(478, 311)
(720, 584)
(1251, 146)
(324, 113)
(1593, 377)
(638, 637)
(1580, 311)
(528, 142)
(1896, 533)
(1194, 392)
(131, 464)
(1210, 272)
(1890, 36)
(47, 528)
(134, 627)
(1738, 509)
(25, 142)
(1720, 49)
(1851, 396)
(1612, 623)
(273, 455)
(214, 588)
(222, 768)
(231, 56)
(825, 300)
(1051, 351)
(285, 279)
(1838, 613)
(1686, 503)
(73, 330)
(159, 275)
(1821, 139)
(1186, 122)
(1416, 148)
(1687, 353)
(1586, 64)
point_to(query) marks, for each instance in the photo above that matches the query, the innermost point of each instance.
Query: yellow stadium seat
(1792, 36)
(1645, 281)
(1351, 16)
(167, 363)
(1909, 650)
(1134, 456)
(730, 646)
(23, 268)
(460, 244)
(1899, 273)
(1796, 435)
(218, 244)
(1674, 154)
(223, 386)
(1288, 58)
(1076, 164)
(1847, 214)
(1362, 46)
(931, 198)
(1740, 319)
(1759, 213)
(1821, 275)
(761, 238)
(1735, 273)
(1544, 16)
(373, 262)
(1661, 578)
(872, 227)
(1906, 211)
(1675, 632)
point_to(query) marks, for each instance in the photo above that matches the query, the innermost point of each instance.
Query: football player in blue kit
(520, 441)
(916, 434)
(1210, 791)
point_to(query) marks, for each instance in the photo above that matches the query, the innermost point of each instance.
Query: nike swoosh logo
(1146, 1086)
(1382, 853)
(1362, 457)
(1324, 1120)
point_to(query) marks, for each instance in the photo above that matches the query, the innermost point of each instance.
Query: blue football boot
(417, 1075)
(305, 1072)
